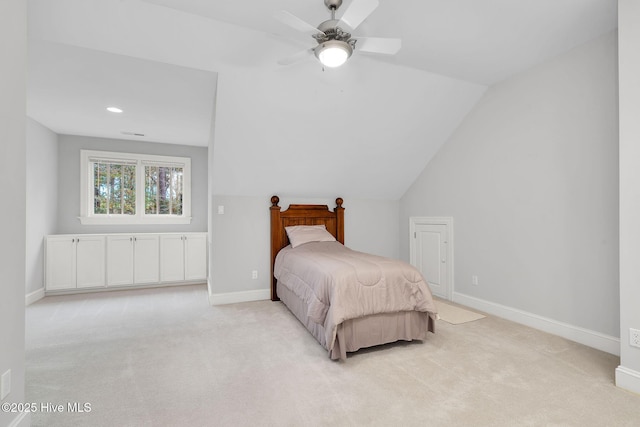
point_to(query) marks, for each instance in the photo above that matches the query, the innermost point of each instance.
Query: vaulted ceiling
(203, 72)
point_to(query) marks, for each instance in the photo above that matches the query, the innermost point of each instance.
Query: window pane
(176, 191)
(129, 190)
(115, 182)
(163, 190)
(114, 188)
(100, 190)
(151, 189)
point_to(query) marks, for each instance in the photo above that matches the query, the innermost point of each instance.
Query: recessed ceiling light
(114, 109)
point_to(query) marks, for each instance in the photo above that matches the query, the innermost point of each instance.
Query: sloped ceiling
(67, 83)
(364, 130)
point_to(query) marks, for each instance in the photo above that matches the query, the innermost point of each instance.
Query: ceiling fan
(335, 45)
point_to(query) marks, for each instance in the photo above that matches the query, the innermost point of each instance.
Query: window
(125, 188)
(114, 187)
(163, 189)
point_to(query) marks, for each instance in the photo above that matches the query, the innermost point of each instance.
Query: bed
(348, 300)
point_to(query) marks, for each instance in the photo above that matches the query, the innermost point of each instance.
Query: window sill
(110, 220)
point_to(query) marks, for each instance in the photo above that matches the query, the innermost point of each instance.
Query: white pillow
(301, 234)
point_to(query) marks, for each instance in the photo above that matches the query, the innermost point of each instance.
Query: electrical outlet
(634, 337)
(254, 274)
(474, 280)
(5, 384)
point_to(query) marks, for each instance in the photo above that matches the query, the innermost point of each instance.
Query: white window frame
(87, 217)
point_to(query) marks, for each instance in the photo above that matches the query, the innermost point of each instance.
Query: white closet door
(431, 256)
(431, 250)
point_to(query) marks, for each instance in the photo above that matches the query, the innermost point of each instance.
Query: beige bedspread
(338, 284)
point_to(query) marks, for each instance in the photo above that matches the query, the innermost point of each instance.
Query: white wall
(366, 129)
(241, 237)
(628, 374)
(69, 147)
(13, 49)
(42, 198)
(531, 179)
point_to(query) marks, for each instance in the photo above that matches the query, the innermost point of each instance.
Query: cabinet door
(90, 261)
(171, 258)
(61, 263)
(119, 260)
(195, 257)
(146, 258)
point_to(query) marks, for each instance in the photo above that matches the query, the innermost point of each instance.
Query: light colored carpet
(164, 357)
(455, 315)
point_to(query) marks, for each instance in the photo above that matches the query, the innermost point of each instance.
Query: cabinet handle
(131, 239)
(135, 239)
(73, 240)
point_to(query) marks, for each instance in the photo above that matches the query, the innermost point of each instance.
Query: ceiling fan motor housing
(329, 25)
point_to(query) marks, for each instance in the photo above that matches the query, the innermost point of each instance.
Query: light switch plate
(220, 210)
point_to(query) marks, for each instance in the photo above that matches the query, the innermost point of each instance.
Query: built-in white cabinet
(121, 260)
(133, 259)
(183, 257)
(172, 258)
(75, 262)
(146, 259)
(195, 257)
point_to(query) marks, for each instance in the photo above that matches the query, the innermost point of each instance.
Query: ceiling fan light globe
(333, 57)
(333, 53)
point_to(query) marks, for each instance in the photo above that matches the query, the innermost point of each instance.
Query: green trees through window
(132, 188)
(163, 190)
(114, 188)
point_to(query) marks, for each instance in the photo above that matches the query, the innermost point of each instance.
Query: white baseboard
(74, 291)
(34, 296)
(22, 420)
(580, 335)
(244, 296)
(628, 379)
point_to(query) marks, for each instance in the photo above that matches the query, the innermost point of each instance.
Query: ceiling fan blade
(300, 56)
(378, 45)
(301, 41)
(296, 23)
(358, 11)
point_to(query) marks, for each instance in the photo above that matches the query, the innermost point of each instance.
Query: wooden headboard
(301, 215)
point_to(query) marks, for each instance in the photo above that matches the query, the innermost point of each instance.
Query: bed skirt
(368, 331)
